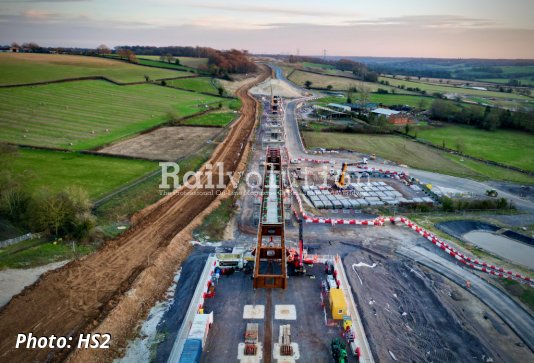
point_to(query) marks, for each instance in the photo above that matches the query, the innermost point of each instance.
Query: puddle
(503, 246)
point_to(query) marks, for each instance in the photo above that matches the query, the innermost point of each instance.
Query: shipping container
(192, 351)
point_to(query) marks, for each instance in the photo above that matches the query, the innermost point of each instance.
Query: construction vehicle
(338, 350)
(341, 182)
(297, 259)
(492, 193)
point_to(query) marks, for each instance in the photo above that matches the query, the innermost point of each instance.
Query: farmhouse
(393, 117)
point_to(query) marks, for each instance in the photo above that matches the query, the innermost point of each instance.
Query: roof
(366, 105)
(385, 111)
(317, 107)
(337, 105)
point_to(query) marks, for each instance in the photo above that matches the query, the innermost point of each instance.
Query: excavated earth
(97, 292)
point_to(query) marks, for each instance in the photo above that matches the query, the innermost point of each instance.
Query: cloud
(270, 10)
(45, 1)
(429, 21)
(39, 14)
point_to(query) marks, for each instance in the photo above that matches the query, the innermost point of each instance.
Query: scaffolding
(270, 255)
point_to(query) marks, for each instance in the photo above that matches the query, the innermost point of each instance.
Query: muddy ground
(165, 143)
(411, 314)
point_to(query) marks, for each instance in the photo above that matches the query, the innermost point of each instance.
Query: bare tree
(103, 49)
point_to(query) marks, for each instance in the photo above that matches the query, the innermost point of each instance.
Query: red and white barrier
(379, 221)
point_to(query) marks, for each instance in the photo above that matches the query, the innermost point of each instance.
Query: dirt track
(77, 297)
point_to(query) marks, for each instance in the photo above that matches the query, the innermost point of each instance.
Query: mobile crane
(340, 183)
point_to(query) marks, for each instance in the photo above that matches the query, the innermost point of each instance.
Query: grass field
(404, 151)
(338, 83)
(157, 63)
(390, 99)
(508, 147)
(123, 205)
(37, 252)
(505, 81)
(385, 99)
(28, 68)
(211, 119)
(64, 113)
(198, 84)
(56, 170)
(186, 61)
(433, 88)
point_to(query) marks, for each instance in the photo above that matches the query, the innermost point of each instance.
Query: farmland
(395, 99)
(434, 88)
(164, 143)
(185, 61)
(76, 115)
(211, 119)
(504, 146)
(413, 154)
(197, 84)
(29, 68)
(337, 83)
(56, 171)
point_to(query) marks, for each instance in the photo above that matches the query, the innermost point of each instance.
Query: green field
(390, 100)
(198, 84)
(62, 114)
(411, 153)
(338, 83)
(434, 88)
(317, 65)
(505, 81)
(192, 62)
(157, 63)
(508, 147)
(56, 170)
(211, 119)
(28, 68)
(38, 252)
(385, 99)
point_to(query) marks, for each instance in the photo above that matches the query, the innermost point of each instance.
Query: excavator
(341, 183)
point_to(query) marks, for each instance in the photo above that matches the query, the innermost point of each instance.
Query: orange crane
(340, 183)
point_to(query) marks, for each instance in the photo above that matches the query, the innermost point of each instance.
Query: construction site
(321, 266)
(314, 274)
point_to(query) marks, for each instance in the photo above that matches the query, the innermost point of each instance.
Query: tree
(147, 78)
(440, 109)
(15, 45)
(63, 214)
(177, 61)
(421, 105)
(103, 49)
(329, 87)
(308, 84)
(169, 58)
(407, 129)
(220, 89)
(363, 95)
(32, 46)
(460, 145)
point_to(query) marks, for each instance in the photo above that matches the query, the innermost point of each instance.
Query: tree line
(64, 214)
(358, 69)
(488, 118)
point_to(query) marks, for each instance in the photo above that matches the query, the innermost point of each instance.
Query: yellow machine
(338, 305)
(340, 183)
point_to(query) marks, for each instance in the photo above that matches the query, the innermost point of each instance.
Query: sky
(382, 28)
